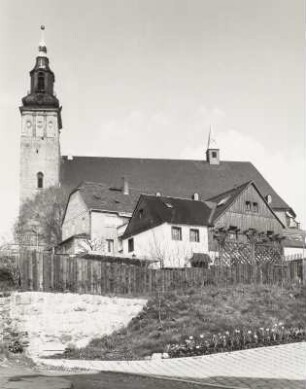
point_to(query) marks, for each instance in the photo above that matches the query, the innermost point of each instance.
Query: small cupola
(213, 151)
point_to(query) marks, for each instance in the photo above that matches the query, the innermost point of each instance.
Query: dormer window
(40, 180)
(269, 199)
(41, 82)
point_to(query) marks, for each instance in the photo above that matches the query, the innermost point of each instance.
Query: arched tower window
(40, 180)
(41, 82)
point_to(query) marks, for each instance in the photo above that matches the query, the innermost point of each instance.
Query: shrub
(9, 273)
(15, 347)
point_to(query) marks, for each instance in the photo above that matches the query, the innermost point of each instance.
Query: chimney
(125, 186)
(196, 196)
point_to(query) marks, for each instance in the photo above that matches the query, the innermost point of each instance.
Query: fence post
(304, 271)
(30, 271)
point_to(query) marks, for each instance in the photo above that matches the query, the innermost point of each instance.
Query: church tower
(40, 130)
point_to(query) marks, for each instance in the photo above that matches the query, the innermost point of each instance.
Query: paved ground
(274, 367)
(110, 380)
(15, 375)
(278, 367)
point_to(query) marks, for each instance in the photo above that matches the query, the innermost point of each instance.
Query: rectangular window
(131, 245)
(194, 235)
(176, 233)
(110, 245)
(248, 206)
(232, 235)
(214, 154)
(255, 207)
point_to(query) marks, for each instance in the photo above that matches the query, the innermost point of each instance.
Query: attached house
(176, 230)
(93, 214)
(167, 229)
(294, 243)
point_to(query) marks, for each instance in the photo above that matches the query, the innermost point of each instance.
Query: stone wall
(50, 322)
(5, 321)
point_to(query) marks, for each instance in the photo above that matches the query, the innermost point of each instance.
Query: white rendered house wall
(76, 219)
(158, 244)
(104, 231)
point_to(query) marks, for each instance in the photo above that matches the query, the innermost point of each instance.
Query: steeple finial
(42, 48)
(212, 143)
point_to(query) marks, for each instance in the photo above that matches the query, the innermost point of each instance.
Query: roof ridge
(150, 159)
(235, 188)
(174, 197)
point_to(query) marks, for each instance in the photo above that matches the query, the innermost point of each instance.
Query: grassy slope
(175, 316)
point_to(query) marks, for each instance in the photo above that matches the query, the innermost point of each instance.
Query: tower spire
(42, 48)
(212, 143)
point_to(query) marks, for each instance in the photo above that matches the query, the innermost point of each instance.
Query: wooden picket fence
(48, 272)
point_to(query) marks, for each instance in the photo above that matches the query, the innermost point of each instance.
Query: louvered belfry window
(41, 82)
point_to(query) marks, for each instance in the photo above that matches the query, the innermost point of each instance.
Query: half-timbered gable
(244, 208)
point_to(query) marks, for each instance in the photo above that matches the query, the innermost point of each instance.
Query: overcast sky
(146, 78)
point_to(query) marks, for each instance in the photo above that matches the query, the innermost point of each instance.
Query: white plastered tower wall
(39, 151)
(40, 155)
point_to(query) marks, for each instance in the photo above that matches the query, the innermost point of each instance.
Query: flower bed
(239, 339)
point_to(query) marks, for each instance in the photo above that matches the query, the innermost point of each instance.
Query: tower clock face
(50, 128)
(27, 127)
(40, 126)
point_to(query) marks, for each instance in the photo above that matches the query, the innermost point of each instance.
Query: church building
(112, 186)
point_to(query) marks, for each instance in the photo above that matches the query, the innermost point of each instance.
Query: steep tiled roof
(177, 178)
(158, 210)
(224, 200)
(100, 196)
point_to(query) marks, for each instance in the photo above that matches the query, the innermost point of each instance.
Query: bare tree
(40, 218)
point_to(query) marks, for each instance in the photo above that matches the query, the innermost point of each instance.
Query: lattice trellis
(231, 253)
(267, 254)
